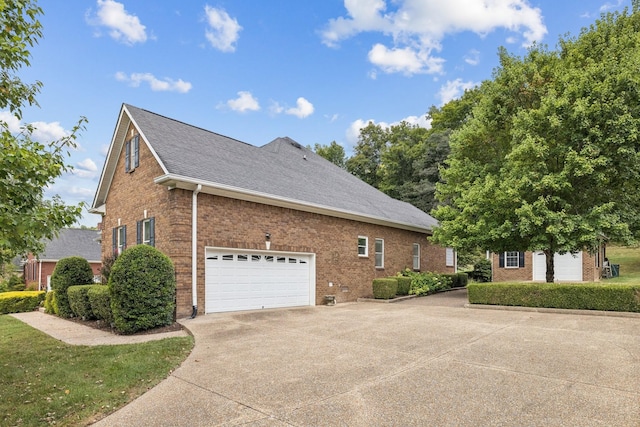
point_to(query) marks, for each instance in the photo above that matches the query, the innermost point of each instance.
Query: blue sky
(315, 71)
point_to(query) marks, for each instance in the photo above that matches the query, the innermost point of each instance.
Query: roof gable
(282, 172)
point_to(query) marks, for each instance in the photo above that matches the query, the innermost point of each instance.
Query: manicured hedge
(587, 296)
(71, 271)
(79, 301)
(404, 285)
(20, 301)
(143, 289)
(458, 280)
(100, 301)
(385, 288)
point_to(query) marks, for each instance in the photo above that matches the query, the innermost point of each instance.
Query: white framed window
(379, 253)
(363, 246)
(450, 257)
(146, 233)
(416, 256)
(511, 259)
(119, 240)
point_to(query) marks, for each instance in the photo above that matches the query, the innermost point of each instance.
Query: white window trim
(381, 253)
(146, 240)
(366, 247)
(507, 257)
(416, 257)
(450, 257)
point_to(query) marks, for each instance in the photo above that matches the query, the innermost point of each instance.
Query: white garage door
(567, 267)
(249, 280)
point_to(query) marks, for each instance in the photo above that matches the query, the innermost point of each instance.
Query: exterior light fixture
(267, 238)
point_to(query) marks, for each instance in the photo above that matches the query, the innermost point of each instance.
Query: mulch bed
(104, 326)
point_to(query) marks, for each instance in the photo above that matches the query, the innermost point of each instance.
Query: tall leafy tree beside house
(27, 166)
(333, 152)
(550, 157)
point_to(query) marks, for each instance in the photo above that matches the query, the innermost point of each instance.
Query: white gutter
(194, 250)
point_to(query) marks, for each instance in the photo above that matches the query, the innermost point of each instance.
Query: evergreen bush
(20, 301)
(143, 287)
(51, 303)
(71, 271)
(79, 301)
(100, 300)
(385, 288)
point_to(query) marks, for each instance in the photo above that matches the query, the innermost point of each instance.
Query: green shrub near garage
(20, 301)
(143, 288)
(100, 300)
(385, 288)
(71, 271)
(458, 280)
(583, 296)
(79, 301)
(51, 303)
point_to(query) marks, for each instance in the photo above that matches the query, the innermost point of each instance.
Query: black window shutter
(114, 241)
(138, 232)
(520, 259)
(124, 241)
(136, 151)
(127, 156)
(152, 232)
(501, 260)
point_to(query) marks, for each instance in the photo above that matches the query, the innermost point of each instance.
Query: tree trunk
(550, 266)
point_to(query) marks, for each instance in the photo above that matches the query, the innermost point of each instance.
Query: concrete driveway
(427, 361)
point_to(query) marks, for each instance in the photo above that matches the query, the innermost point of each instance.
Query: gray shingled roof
(73, 242)
(282, 168)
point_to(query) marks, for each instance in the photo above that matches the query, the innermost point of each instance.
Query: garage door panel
(246, 280)
(567, 267)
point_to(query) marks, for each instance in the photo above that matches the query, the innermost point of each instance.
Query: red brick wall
(43, 269)
(225, 222)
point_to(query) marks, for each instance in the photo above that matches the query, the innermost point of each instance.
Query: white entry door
(567, 267)
(248, 280)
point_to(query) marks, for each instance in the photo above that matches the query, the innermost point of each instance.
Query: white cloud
(12, 121)
(473, 57)
(608, 6)
(43, 132)
(223, 31)
(244, 102)
(276, 108)
(302, 109)
(454, 89)
(156, 85)
(353, 131)
(417, 27)
(123, 27)
(86, 168)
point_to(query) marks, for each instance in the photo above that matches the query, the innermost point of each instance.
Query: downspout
(40, 276)
(194, 250)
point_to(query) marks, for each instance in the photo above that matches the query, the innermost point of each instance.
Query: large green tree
(549, 159)
(333, 152)
(27, 167)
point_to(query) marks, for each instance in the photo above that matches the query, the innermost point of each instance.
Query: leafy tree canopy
(549, 158)
(27, 167)
(333, 152)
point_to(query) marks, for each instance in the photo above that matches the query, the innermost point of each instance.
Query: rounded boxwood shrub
(79, 301)
(385, 288)
(143, 287)
(69, 271)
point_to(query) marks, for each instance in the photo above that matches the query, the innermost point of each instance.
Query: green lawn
(629, 260)
(44, 381)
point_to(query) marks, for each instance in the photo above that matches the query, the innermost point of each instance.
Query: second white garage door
(567, 267)
(248, 280)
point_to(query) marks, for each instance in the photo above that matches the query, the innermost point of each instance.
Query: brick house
(70, 242)
(253, 227)
(531, 266)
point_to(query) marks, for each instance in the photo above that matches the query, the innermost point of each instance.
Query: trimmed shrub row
(20, 301)
(79, 301)
(51, 303)
(554, 295)
(458, 280)
(385, 288)
(100, 301)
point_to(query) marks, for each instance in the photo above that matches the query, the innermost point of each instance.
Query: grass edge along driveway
(45, 381)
